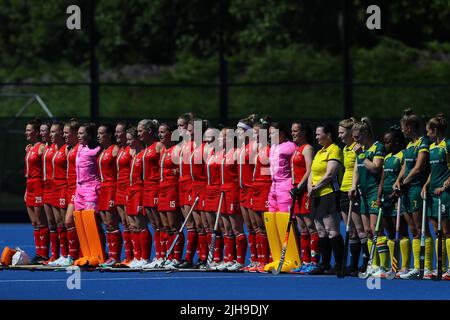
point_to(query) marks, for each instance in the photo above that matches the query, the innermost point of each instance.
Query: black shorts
(345, 203)
(326, 205)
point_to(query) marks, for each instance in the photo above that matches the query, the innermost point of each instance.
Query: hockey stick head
(275, 271)
(390, 275)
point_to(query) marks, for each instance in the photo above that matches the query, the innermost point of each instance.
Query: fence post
(94, 78)
(223, 66)
(344, 21)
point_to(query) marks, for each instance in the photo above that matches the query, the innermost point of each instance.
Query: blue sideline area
(198, 285)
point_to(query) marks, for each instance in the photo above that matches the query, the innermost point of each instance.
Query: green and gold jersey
(391, 168)
(410, 155)
(349, 164)
(440, 170)
(369, 182)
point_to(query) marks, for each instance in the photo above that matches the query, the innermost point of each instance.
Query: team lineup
(386, 193)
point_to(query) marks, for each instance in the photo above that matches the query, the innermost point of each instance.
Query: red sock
(232, 249)
(241, 248)
(74, 243)
(116, 245)
(169, 241)
(136, 242)
(162, 242)
(63, 245)
(37, 242)
(259, 248)
(179, 245)
(315, 256)
(101, 234)
(226, 248)
(218, 248)
(44, 239)
(126, 235)
(305, 247)
(108, 243)
(146, 244)
(252, 245)
(191, 245)
(200, 244)
(204, 248)
(265, 251)
(55, 243)
(157, 243)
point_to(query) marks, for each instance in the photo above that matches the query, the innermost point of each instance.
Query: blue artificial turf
(197, 285)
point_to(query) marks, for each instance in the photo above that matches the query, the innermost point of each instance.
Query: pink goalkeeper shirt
(86, 164)
(280, 161)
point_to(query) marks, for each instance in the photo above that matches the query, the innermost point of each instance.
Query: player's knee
(322, 233)
(362, 234)
(332, 233)
(111, 227)
(60, 224)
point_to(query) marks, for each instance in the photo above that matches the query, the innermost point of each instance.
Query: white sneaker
(57, 262)
(172, 265)
(371, 270)
(133, 263)
(236, 266)
(166, 264)
(214, 265)
(151, 264)
(400, 272)
(380, 273)
(446, 276)
(67, 262)
(158, 263)
(413, 274)
(428, 274)
(225, 266)
(139, 264)
(108, 263)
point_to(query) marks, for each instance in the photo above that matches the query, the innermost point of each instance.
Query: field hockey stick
(343, 270)
(422, 238)
(286, 237)
(179, 232)
(213, 238)
(396, 255)
(364, 275)
(439, 237)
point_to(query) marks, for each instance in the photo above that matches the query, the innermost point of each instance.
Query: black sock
(337, 244)
(355, 252)
(365, 252)
(325, 250)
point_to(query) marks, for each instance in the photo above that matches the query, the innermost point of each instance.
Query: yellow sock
(429, 252)
(375, 254)
(383, 250)
(405, 249)
(416, 253)
(444, 242)
(391, 245)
